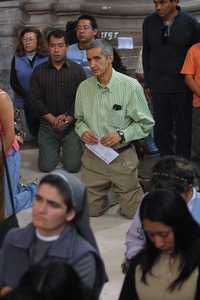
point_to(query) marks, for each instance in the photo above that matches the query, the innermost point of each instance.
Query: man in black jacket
(167, 35)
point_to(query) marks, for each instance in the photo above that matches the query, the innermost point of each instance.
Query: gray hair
(106, 47)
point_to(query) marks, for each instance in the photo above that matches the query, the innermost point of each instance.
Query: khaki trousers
(120, 176)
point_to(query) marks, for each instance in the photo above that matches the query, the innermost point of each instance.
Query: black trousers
(173, 123)
(195, 149)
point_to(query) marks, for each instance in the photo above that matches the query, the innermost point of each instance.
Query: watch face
(121, 134)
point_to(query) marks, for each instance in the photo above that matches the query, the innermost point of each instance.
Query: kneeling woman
(168, 266)
(60, 232)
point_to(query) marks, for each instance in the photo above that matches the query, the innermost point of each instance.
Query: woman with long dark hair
(30, 52)
(168, 266)
(171, 173)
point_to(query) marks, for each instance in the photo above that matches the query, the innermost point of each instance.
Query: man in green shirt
(111, 109)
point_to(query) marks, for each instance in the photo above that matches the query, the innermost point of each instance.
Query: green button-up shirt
(121, 105)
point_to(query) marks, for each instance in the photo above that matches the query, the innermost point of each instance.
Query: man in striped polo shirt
(51, 98)
(111, 109)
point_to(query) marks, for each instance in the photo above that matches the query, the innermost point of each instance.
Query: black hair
(117, 62)
(71, 32)
(92, 20)
(61, 185)
(57, 33)
(169, 208)
(57, 280)
(173, 172)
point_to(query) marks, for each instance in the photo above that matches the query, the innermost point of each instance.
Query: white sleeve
(139, 66)
(135, 237)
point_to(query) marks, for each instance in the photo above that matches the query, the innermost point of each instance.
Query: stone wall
(116, 18)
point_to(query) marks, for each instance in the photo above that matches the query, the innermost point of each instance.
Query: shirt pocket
(117, 118)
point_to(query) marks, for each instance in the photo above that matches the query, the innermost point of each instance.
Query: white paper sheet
(107, 154)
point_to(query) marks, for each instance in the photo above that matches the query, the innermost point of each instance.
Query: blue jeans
(23, 194)
(150, 144)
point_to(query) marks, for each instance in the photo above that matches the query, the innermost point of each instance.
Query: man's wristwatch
(121, 134)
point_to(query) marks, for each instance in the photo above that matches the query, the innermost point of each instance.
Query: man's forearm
(193, 86)
(49, 118)
(137, 131)
(81, 127)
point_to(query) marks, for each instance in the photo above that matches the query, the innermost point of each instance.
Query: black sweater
(163, 57)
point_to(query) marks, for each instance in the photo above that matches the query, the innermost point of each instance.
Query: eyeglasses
(28, 40)
(85, 27)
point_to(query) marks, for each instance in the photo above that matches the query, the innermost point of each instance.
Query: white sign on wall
(125, 42)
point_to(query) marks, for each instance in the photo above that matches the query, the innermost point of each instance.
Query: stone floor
(110, 229)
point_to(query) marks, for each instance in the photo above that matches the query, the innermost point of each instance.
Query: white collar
(46, 238)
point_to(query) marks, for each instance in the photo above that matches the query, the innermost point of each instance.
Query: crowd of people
(76, 99)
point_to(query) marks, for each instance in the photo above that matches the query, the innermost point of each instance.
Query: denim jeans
(23, 194)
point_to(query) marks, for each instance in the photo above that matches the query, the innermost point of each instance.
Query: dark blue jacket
(21, 71)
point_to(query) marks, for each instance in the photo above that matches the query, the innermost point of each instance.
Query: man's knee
(72, 165)
(46, 165)
(129, 212)
(98, 204)
(97, 211)
(72, 159)
(129, 203)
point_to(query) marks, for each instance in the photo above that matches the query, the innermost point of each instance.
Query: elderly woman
(168, 266)
(22, 194)
(30, 52)
(59, 232)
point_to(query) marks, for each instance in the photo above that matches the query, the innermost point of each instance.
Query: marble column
(39, 13)
(66, 10)
(11, 17)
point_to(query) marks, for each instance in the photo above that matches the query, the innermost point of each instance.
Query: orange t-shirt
(191, 66)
